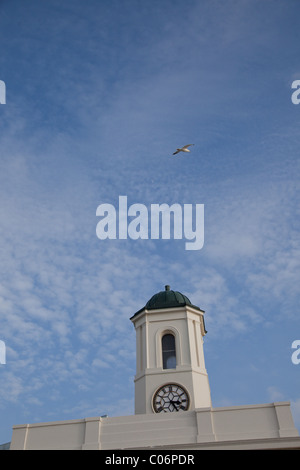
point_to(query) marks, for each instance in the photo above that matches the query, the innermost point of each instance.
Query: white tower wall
(187, 326)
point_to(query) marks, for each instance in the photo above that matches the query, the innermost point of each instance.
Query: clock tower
(170, 368)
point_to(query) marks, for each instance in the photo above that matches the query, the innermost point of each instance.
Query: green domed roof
(167, 299)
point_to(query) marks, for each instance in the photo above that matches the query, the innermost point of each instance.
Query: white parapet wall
(253, 426)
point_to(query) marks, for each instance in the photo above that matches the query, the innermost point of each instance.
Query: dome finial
(167, 287)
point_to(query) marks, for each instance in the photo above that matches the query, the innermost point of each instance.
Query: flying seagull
(183, 149)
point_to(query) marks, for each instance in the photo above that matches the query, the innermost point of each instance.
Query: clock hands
(174, 403)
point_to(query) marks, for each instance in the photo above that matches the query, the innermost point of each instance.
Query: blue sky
(99, 94)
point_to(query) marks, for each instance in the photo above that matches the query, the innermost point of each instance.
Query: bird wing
(186, 146)
(177, 151)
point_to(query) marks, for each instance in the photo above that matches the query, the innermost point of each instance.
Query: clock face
(170, 397)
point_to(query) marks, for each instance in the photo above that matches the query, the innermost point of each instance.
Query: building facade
(173, 408)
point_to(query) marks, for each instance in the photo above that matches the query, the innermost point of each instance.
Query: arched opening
(168, 351)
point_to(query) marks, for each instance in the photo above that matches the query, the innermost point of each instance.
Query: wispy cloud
(103, 98)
